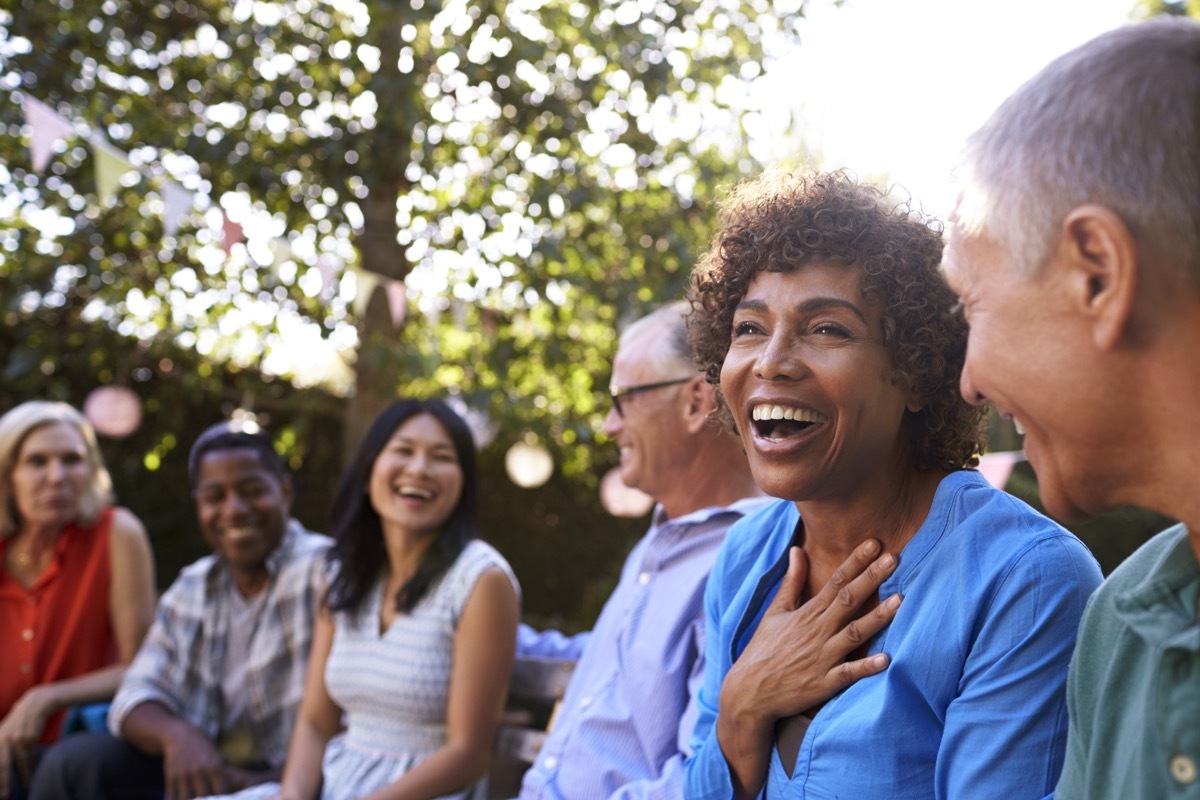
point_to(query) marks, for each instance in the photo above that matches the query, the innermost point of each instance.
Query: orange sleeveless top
(60, 627)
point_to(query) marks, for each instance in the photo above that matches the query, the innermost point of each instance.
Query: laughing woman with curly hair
(893, 626)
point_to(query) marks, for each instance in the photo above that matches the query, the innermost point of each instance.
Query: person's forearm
(745, 736)
(90, 688)
(241, 778)
(302, 772)
(450, 769)
(550, 644)
(149, 726)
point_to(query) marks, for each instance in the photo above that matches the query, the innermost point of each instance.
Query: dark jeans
(97, 766)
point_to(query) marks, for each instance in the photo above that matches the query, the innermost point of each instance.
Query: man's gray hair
(672, 316)
(1115, 122)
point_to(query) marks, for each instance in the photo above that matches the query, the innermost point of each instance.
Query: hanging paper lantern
(528, 464)
(114, 411)
(621, 500)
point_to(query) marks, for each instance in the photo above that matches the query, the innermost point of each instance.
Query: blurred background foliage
(1178, 8)
(535, 171)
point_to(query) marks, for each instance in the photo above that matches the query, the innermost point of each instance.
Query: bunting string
(47, 128)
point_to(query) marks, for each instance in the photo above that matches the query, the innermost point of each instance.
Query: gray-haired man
(1075, 250)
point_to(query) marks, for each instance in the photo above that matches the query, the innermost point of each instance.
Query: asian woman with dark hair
(415, 640)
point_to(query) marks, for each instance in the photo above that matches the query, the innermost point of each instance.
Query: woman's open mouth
(776, 423)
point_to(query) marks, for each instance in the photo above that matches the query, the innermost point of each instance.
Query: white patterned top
(394, 687)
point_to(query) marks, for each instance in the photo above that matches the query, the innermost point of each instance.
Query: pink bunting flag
(231, 234)
(46, 128)
(996, 467)
(397, 301)
(177, 201)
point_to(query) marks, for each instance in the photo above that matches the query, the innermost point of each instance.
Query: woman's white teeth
(412, 491)
(1020, 428)
(780, 412)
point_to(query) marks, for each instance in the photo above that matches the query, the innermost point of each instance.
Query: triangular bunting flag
(281, 250)
(231, 234)
(111, 164)
(365, 283)
(996, 467)
(327, 266)
(177, 201)
(397, 297)
(45, 128)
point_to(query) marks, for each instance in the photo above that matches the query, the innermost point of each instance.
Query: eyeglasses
(618, 392)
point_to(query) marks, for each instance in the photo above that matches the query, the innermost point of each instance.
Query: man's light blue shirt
(973, 703)
(626, 720)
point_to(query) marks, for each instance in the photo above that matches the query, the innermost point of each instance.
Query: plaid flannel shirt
(181, 661)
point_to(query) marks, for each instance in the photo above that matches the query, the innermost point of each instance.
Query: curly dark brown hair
(780, 221)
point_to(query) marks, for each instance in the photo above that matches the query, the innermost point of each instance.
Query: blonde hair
(15, 427)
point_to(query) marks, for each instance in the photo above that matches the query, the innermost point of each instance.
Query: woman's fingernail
(871, 547)
(879, 661)
(888, 561)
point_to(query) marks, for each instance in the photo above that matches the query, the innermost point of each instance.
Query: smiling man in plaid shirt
(209, 703)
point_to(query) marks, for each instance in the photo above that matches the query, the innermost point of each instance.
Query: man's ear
(1100, 254)
(285, 488)
(700, 401)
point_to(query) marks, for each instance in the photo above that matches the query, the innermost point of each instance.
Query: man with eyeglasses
(625, 724)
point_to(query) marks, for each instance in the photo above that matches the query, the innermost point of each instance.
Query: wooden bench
(534, 695)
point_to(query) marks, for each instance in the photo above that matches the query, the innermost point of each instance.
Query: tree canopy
(533, 169)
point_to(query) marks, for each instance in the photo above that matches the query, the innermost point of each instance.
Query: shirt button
(644, 578)
(550, 763)
(585, 702)
(1183, 769)
(26, 668)
(27, 634)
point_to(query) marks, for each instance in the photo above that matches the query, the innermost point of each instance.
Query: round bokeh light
(114, 411)
(528, 464)
(621, 500)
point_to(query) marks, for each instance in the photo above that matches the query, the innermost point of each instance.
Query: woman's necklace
(22, 558)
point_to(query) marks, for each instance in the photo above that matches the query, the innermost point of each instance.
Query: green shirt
(1133, 690)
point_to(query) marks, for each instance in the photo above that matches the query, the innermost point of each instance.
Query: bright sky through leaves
(891, 88)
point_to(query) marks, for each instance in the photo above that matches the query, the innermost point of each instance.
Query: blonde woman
(76, 585)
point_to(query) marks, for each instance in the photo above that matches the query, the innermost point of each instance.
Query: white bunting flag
(364, 287)
(111, 164)
(281, 250)
(46, 128)
(177, 201)
(327, 266)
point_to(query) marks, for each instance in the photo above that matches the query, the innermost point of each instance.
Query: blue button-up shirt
(626, 720)
(973, 703)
